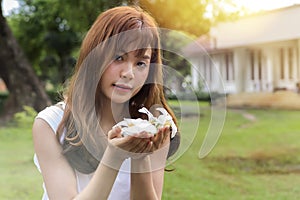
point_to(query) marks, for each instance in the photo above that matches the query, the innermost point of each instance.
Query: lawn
(257, 157)
(19, 177)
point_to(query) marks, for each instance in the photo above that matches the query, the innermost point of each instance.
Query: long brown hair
(76, 122)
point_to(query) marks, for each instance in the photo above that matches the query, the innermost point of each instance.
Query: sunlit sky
(8, 5)
(257, 5)
(251, 5)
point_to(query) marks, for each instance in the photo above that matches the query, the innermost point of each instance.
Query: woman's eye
(142, 64)
(118, 58)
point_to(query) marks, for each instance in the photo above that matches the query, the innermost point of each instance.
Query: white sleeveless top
(121, 188)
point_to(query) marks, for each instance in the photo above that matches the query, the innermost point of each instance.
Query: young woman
(79, 151)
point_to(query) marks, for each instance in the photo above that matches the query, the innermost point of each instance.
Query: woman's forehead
(143, 52)
(135, 39)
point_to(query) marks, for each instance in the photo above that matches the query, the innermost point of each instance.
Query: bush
(25, 118)
(54, 96)
(198, 95)
(3, 97)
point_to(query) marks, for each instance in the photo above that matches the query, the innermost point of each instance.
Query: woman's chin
(120, 100)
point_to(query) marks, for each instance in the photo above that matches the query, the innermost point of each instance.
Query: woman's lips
(122, 87)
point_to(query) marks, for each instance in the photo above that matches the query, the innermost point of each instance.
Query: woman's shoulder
(52, 115)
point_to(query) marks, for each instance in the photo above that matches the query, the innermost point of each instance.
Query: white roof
(277, 25)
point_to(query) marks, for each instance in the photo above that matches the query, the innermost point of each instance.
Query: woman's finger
(148, 148)
(161, 137)
(113, 133)
(158, 139)
(140, 146)
(166, 135)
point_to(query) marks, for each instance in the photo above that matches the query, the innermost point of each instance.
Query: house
(258, 53)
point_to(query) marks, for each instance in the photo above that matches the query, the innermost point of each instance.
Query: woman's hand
(161, 139)
(138, 143)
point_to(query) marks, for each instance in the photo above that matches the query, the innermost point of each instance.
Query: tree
(81, 14)
(52, 40)
(23, 85)
(179, 15)
(188, 16)
(56, 29)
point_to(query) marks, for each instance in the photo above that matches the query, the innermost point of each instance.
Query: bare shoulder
(40, 124)
(56, 171)
(41, 128)
(44, 138)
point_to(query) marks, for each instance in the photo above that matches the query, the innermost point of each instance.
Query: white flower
(166, 120)
(133, 126)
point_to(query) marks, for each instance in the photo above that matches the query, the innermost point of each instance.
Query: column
(195, 71)
(269, 53)
(298, 60)
(240, 69)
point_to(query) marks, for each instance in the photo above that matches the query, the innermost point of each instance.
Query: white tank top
(121, 188)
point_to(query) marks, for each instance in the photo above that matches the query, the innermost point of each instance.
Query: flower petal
(138, 129)
(174, 129)
(163, 111)
(146, 111)
(134, 126)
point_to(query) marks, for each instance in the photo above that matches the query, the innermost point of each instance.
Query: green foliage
(50, 32)
(172, 44)
(46, 37)
(3, 97)
(81, 14)
(179, 15)
(25, 118)
(189, 15)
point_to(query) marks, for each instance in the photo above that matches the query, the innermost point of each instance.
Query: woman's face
(125, 76)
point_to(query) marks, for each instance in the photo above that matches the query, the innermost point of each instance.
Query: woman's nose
(127, 71)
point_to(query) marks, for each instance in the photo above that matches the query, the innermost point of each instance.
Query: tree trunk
(23, 85)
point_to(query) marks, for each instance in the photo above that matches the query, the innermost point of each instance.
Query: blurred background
(247, 50)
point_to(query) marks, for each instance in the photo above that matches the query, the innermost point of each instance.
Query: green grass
(19, 177)
(254, 159)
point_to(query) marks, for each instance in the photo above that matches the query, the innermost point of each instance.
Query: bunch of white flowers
(133, 126)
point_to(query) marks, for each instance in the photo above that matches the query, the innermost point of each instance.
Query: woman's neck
(111, 113)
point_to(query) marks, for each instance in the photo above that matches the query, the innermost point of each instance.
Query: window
(290, 61)
(287, 59)
(252, 74)
(259, 63)
(229, 67)
(281, 57)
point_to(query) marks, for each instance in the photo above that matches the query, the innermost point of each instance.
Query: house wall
(256, 68)
(253, 54)
(206, 73)
(277, 25)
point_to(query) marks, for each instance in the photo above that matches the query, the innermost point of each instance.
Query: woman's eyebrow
(146, 57)
(122, 52)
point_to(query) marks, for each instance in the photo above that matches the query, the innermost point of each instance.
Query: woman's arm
(58, 175)
(103, 178)
(146, 185)
(147, 175)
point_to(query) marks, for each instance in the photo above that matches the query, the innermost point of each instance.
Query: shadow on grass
(286, 162)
